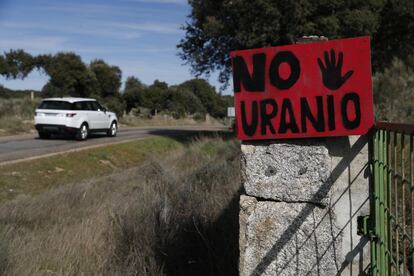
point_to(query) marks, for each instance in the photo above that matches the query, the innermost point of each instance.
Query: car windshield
(59, 105)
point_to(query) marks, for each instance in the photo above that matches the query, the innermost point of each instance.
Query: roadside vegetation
(193, 102)
(31, 177)
(168, 120)
(16, 114)
(170, 211)
(70, 76)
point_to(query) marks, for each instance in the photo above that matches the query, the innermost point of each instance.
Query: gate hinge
(365, 226)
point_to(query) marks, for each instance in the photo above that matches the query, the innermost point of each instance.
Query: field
(159, 206)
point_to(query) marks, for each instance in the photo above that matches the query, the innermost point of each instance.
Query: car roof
(69, 99)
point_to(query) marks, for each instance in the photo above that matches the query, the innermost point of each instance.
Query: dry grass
(164, 120)
(16, 115)
(175, 215)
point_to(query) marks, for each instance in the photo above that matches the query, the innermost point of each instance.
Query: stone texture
(279, 238)
(290, 172)
(288, 182)
(349, 198)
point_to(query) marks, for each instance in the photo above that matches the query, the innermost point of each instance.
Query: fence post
(298, 215)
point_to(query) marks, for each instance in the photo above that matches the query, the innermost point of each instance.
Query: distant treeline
(70, 76)
(6, 93)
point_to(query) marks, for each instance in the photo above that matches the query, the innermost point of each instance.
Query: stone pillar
(302, 198)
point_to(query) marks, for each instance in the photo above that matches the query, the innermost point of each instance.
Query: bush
(19, 107)
(184, 223)
(114, 104)
(16, 114)
(394, 93)
(199, 117)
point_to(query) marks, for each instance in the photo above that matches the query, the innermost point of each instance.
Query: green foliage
(108, 78)
(114, 103)
(16, 64)
(68, 76)
(394, 93)
(133, 93)
(153, 96)
(396, 34)
(180, 102)
(6, 93)
(217, 27)
(210, 99)
(192, 97)
(105, 82)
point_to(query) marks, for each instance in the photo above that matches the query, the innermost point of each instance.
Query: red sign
(305, 90)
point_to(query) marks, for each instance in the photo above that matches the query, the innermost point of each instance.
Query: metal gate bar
(392, 216)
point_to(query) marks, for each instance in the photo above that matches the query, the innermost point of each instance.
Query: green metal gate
(392, 218)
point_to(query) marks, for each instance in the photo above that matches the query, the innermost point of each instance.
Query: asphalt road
(23, 147)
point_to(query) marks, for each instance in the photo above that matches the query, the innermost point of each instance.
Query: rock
(58, 170)
(291, 172)
(279, 238)
(107, 163)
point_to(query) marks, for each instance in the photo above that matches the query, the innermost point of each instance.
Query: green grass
(31, 177)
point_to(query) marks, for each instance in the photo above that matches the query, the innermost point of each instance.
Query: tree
(152, 97)
(108, 78)
(180, 102)
(212, 102)
(133, 93)
(68, 76)
(394, 93)
(218, 27)
(16, 64)
(395, 35)
(106, 85)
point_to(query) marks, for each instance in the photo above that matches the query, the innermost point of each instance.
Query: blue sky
(139, 36)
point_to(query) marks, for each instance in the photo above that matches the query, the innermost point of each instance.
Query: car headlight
(39, 114)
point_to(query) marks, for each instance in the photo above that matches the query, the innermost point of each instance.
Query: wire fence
(393, 196)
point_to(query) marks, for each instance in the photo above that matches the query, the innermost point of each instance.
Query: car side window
(96, 106)
(99, 106)
(78, 106)
(85, 106)
(92, 106)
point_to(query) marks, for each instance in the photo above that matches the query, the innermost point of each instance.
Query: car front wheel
(82, 133)
(112, 130)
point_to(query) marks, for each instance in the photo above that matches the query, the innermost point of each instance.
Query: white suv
(76, 116)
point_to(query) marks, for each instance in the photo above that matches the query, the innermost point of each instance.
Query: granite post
(302, 198)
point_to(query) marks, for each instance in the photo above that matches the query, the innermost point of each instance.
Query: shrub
(184, 224)
(394, 93)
